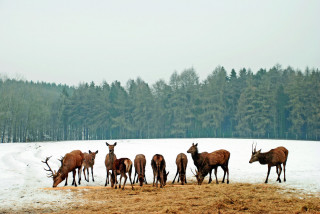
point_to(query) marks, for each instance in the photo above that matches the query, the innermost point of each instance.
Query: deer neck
(196, 158)
(111, 157)
(263, 158)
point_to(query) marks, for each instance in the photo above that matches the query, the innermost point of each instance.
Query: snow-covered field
(22, 177)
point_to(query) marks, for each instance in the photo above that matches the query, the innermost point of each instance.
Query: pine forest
(272, 103)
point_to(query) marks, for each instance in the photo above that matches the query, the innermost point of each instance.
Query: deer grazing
(275, 157)
(88, 162)
(198, 158)
(181, 162)
(70, 162)
(140, 166)
(121, 167)
(210, 161)
(110, 158)
(158, 165)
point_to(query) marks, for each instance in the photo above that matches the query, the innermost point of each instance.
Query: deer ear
(196, 144)
(259, 151)
(115, 144)
(90, 152)
(107, 143)
(97, 152)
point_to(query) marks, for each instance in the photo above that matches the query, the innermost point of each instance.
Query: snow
(23, 178)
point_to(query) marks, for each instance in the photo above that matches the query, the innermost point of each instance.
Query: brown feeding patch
(191, 198)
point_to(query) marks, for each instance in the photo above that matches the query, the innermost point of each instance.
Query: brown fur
(70, 162)
(140, 167)
(275, 157)
(158, 165)
(110, 158)
(121, 167)
(198, 158)
(181, 162)
(205, 162)
(88, 162)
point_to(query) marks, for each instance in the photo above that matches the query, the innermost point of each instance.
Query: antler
(195, 171)
(255, 148)
(49, 170)
(61, 160)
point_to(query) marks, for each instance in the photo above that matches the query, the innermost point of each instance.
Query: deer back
(218, 158)
(140, 163)
(181, 162)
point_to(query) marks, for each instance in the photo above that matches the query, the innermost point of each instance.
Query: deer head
(193, 149)
(141, 179)
(198, 176)
(111, 147)
(93, 155)
(255, 154)
(56, 176)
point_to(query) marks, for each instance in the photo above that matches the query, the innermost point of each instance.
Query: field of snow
(23, 178)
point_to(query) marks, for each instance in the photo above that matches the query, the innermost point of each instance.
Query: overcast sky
(81, 41)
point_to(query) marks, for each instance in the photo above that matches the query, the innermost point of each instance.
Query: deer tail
(182, 166)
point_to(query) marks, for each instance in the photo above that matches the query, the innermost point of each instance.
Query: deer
(70, 162)
(110, 158)
(198, 158)
(158, 165)
(181, 162)
(88, 162)
(211, 161)
(140, 166)
(275, 157)
(121, 167)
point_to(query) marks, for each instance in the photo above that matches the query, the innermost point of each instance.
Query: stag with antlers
(70, 162)
(275, 157)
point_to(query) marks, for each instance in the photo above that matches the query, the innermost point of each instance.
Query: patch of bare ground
(191, 198)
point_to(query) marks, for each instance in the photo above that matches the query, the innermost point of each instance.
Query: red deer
(88, 162)
(110, 158)
(140, 167)
(121, 167)
(198, 158)
(158, 165)
(275, 157)
(181, 162)
(211, 161)
(70, 162)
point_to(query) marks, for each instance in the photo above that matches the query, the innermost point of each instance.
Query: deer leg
(129, 173)
(227, 175)
(125, 180)
(224, 173)
(66, 183)
(145, 179)
(84, 173)
(79, 175)
(91, 174)
(284, 172)
(74, 172)
(120, 181)
(161, 180)
(107, 178)
(210, 176)
(134, 177)
(215, 173)
(175, 177)
(269, 167)
(280, 169)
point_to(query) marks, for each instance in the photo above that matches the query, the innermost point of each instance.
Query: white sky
(81, 41)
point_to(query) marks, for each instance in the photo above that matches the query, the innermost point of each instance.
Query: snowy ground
(22, 177)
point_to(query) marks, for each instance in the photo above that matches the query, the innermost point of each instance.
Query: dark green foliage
(275, 103)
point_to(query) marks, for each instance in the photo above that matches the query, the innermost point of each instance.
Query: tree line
(276, 103)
